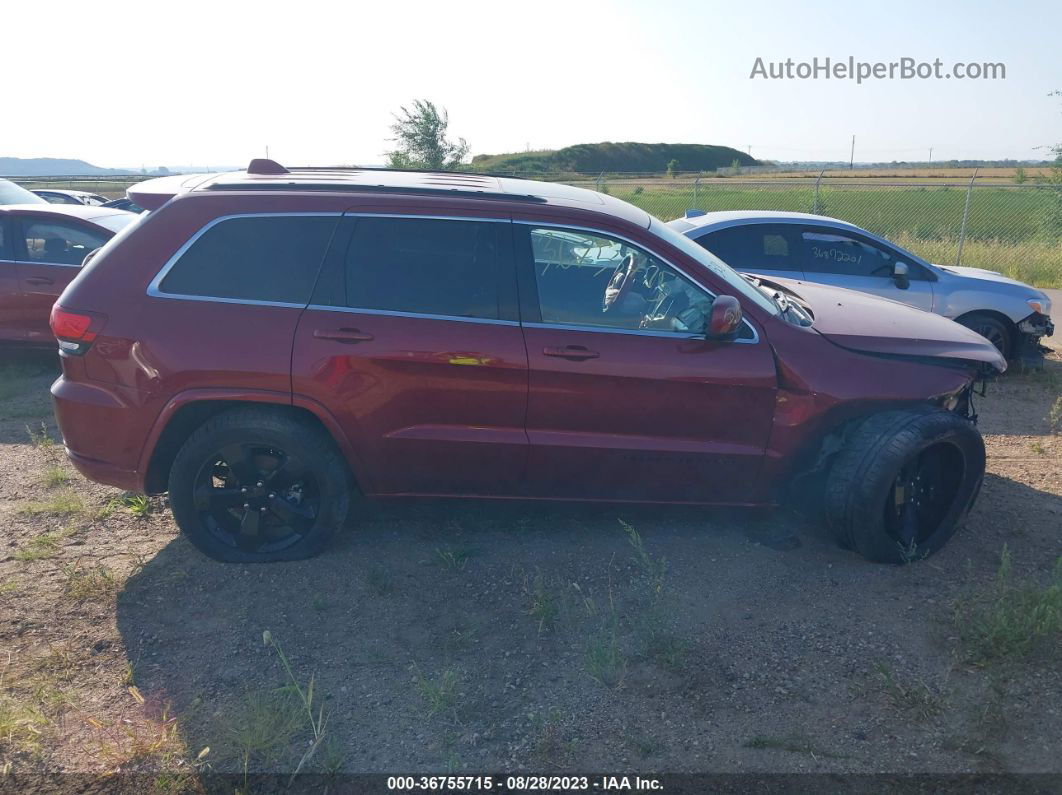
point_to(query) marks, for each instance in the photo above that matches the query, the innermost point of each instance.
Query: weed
(317, 720)
(917, 698)
(440, 692)
(653, 569)
(127, 740)
(84, 584)
(1015, 618)
(454, 558)
(63, 504)
(663, 645)
(21, 724)
(605, 661)
(1038, 447)
(138, 505)
(43, 546)
(54, 476)
(10, 586)
(39, 437)
(1054, 416)
(542, 603)
(264, 725)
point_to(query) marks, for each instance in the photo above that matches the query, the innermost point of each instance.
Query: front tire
(991, 328)
(254, 485)
(903, 483)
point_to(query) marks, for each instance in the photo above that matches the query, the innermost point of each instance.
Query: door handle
(347, 335)
(576, 353)
(39, 280)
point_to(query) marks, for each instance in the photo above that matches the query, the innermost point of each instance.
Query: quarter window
(754, 247)
(255, 258)
(59, 244)
(423, 266)
(588, 279)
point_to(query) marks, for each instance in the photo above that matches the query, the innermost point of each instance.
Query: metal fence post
(696, 192)
(965, 218)
(600, 179)
(818, 181)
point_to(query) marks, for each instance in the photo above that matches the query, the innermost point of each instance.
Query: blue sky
(216, 82)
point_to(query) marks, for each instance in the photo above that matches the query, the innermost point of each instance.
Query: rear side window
(59, 244)
(256, 258)
(424, 266)
(755, 247)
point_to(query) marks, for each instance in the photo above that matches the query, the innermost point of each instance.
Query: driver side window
(589, 279)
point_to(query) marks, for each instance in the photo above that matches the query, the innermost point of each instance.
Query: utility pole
(851, 159)
(267, 151)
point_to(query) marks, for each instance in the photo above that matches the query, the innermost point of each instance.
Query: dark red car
(262, 343)
(42, 247)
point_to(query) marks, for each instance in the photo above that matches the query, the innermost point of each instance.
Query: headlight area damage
(1028, 350)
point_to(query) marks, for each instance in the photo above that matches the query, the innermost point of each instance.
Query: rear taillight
(76, 331)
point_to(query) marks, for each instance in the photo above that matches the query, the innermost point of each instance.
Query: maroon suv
(262, 343)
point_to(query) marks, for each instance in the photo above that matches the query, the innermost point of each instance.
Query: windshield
(714, 264)
(116, 222)
(10, 193)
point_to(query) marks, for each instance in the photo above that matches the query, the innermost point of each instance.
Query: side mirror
(900, 275)
(725, 318)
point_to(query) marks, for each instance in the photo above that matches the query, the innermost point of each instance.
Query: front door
(412, 342)
(625, 403)
(847, 259)
(50, 254)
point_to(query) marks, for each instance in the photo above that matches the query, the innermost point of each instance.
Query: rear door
(626, 404)
(50, 254)
(10, 292)
(412, 342)
(766, 249)
(833, 255)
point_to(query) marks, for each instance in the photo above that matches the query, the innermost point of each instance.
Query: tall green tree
(420, 135)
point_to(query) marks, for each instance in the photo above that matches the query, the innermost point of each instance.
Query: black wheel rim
(923, 494)
(256, 498)
(993, 334)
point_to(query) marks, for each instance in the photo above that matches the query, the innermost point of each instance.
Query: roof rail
(339, 187)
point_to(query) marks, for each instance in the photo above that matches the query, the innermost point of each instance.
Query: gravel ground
(471, 637)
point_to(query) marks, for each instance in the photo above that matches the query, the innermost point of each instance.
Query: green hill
(615, 157)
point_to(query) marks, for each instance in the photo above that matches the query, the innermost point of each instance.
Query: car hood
(865, 323)
(982, 275)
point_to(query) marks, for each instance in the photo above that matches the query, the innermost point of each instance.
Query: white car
(814, 248)
(63, 196)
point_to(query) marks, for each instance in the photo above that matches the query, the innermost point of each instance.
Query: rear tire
(991, 328)
(903, 483)
(254, 485)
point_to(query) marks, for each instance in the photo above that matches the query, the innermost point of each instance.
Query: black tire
(253, 485)
(903, 483)
(991, 328)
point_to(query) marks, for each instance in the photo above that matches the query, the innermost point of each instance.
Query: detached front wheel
(903, 483)
(252, 485)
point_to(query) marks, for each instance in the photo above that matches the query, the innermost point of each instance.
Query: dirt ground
(494, 638)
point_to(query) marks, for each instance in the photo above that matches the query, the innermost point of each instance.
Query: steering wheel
(620, 284)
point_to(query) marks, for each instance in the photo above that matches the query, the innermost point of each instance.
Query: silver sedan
(1013, 315)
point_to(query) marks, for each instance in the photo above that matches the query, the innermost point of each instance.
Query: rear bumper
(99, 431)
(108, 474)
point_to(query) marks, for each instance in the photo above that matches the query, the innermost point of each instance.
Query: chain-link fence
(1015, 229)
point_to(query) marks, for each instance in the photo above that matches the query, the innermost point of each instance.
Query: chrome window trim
(397, 313)
(154, 290)
(49, 264)
(602, 233)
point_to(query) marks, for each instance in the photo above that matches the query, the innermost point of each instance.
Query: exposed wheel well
(189, 417)
(1011, 326)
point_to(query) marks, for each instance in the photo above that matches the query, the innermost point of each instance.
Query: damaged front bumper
(1028, 351)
